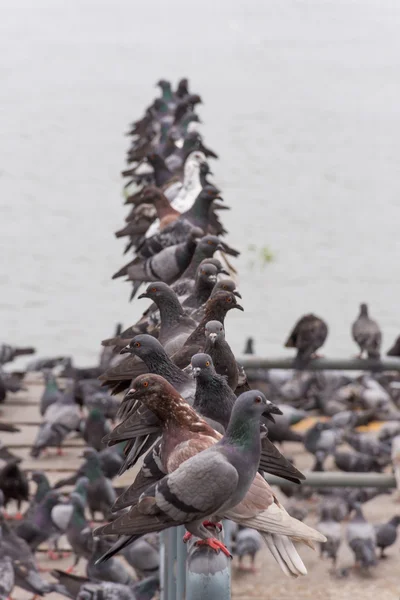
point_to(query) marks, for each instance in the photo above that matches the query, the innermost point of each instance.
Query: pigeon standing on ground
(51, 392)
(100, 492)
(95, 428)
(361, 538)
(332, 530)
(386, 534)
(367, 334)
(14, 485)
(308, 335)
(248, 543)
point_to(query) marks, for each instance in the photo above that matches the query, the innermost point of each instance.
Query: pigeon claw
(188, 536)
(212, 524)
(215, 545)
(51, 555)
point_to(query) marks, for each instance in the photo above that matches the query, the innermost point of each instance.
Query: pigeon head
(217, 263)
(214, 331)
(96, 414)
(364, 310)
(202, 366)
(77, 501)
(246, 415)
(207, 273)
(395, 349)
(209, 193)
(91, 455)
(227, 285)
(156, 290)
(142, 345)
(217, 306)
(183, 88)
(194, 99)
(38, 477)
(205, 169)
(163, 84)
(395, 521)
(82, 484)
(51, 499)
(207, 245)
(149, 385)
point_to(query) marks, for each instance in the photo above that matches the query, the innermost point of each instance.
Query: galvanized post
(171, 557)
(181, 555)
(208, 573)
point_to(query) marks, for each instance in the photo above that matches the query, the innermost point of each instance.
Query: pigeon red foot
(215, 545)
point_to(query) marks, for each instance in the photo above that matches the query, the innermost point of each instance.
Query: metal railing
(198, 573)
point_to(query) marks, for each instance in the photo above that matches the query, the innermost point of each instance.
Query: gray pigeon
(386, 534)
(220, 351)
(248, 543)
(206, 278)
(60, 419)
(100, 492)
(51, 392)
(95, 428)
(7, 578)
(321, 437)
(113, 570)
(351, 462)
(79, 534)
(367, 334)
(367, 444)
(361, 538)
(332, 530)
(226, 470)
(308, 335)
(144, 555)
(82, 588)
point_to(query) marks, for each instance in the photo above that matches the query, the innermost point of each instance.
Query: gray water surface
(302, 102)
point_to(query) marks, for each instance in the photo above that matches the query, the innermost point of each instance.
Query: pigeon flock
(170, 408)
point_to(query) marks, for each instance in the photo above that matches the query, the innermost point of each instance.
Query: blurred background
(302, 105)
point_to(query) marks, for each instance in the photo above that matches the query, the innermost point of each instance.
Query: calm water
(302, 101)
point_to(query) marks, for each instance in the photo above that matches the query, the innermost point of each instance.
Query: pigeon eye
(210, 242)
(207, 363)
(137, 344)
(257, 399)
(145, 383)
(153, 289)
(229, 299)
(210, 192)
(203, 272)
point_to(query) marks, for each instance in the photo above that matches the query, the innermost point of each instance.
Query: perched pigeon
(220, 351)
(361, 538)
(308, 335)
(367, 334)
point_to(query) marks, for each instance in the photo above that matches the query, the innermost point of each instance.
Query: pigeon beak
(220, 248)
(239, 306)
(126, 350)
(272, 409)
(237, 294)
(130, 393)
(213, 337)
(196, 371)
(143, 296)
(212, 278)
(224, 272)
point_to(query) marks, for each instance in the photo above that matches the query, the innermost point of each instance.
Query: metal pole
(339, 479)
(171, 557)
(163, 566)
(181, 555)
(208, 574)
(323, 364)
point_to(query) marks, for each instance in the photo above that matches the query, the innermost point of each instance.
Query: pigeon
(226, 285)
(42, 525)
(110, 459)
(332, 530)
(199, 214)
(249, 346)
(95, 428)
(206, 278)
(144, 555)
(366, 444)
(100, 492)
(367, 334)
(9, 353)
(60, 419)
(82, 588)
(308, 335)
(321, 437)
(386, 534)
(113, 570)
(216, 310)
(78, 532)
(361, 538)
(222, 356)
(263, 517)
(51, 392)
(103, 402)
(42, 488)
(14, 485)
(355, 462)
(248, 543)
(395, 349)
(7, 577)
(157, 361)
(167, 265)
